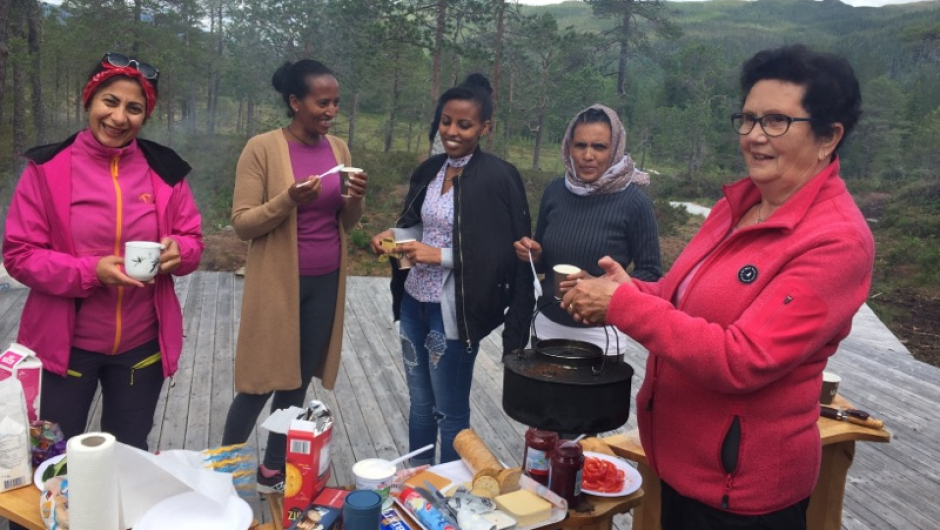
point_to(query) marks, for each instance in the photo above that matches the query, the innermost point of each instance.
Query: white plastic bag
(15, 470)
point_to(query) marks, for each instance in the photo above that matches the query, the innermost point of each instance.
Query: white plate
(193, 511)
(37, 476)
(631, 477)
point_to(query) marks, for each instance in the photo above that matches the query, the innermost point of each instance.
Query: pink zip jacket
(39, 252)
(747, 345)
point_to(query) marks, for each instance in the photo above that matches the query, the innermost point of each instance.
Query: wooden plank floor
(891, 486)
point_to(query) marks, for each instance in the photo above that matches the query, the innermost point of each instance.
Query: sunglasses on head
(122, 61)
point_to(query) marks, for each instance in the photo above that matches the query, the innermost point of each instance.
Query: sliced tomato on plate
(601, 476)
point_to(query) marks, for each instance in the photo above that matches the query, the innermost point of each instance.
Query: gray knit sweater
(580, 230)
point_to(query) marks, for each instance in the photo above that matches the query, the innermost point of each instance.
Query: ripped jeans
(439, 373)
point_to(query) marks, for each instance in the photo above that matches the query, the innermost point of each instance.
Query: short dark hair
(291, 79)
(591, 116)
(475, 88)
(832, 93)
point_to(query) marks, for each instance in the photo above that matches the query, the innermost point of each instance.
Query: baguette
(488, 484)
(474, 452)
(596, 445)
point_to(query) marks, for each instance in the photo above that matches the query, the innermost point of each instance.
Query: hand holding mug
(109, 272)
(357, 182)
(418, 252)
(170, 257)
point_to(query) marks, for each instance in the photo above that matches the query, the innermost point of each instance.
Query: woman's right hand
(376, 242)
(526, 245)
(109, 272)
(305, 191)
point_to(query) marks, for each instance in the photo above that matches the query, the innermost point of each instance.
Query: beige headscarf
(621, 172)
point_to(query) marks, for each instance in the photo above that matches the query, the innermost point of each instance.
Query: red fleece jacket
(750, 339)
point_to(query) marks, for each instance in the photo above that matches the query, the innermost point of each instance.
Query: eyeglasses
(121, 61)
(773, 125)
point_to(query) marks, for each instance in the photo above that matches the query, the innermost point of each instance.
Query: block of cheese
(524, 506)
(436, 480)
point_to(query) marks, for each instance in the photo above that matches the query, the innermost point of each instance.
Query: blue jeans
(439, 373)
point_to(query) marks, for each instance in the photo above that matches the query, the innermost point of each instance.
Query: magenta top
(112, 203)
(318, 243)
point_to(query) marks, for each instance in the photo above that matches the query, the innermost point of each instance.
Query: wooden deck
(891, 486)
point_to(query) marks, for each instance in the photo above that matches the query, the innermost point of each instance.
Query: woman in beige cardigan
(295, 278)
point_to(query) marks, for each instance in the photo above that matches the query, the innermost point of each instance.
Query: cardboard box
(307, 467)
(21, 362)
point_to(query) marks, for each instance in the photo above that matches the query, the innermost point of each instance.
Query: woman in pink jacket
(743, 324)
(76, 205)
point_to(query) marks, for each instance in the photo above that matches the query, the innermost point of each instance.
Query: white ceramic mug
(142, 259)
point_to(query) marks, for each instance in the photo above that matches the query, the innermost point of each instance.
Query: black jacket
(490, 214)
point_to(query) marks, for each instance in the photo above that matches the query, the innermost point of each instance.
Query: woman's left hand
(418, 252)
(169, 258)
(358, 182)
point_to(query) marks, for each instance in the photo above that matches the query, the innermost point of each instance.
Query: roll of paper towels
(94, 500)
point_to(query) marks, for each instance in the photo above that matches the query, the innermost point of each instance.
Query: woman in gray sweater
(596, 209)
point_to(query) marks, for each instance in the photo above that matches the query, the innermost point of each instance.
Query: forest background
(670, 69)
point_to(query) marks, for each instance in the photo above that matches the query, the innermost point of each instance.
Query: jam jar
(538, 450)
(567, 464)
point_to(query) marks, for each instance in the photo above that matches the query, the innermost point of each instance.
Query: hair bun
(281, 78)
(478, 82)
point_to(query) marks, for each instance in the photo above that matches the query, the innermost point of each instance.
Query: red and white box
(21, 362)
(307, 467)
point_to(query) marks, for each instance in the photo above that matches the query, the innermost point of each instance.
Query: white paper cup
(561, 273)
(403, 261)
(348, 172)
(375, 474)
(142, 259)
(830, 388)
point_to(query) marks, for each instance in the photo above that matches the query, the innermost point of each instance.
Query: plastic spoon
(321, 175)
(535, 277)
(402, 458)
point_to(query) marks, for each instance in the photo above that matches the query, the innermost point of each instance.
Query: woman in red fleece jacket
(741, 327)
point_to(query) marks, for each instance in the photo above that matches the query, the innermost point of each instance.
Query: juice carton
(307, 467)
(21, 362)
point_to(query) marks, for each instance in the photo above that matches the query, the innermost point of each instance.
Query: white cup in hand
(142, 259)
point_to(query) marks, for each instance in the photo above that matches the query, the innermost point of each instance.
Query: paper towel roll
(94, 501)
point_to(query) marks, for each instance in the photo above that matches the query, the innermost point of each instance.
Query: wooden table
(825, 505)
(22, 507)
(600, 518)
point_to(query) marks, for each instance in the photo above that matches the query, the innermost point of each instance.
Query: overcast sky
(858, 3)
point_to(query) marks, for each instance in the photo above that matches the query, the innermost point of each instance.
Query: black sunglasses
(122, 61)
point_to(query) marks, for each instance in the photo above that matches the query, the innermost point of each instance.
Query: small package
(318, 517)
(21, 362)
(15, 470)
(307, 467)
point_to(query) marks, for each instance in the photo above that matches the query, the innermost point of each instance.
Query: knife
(858, 417)
(433, 496)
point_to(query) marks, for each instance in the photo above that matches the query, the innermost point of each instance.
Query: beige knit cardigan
(267, 356)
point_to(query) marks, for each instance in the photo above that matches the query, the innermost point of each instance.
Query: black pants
(684, 513)
(130, 388)
(317, 309)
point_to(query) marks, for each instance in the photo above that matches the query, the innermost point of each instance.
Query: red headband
(111, 71)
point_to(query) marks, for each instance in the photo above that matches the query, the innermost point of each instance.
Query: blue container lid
(363, 500)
